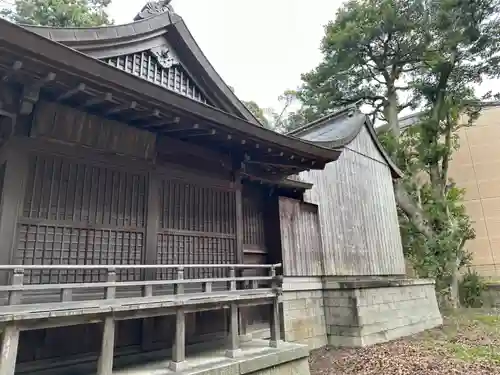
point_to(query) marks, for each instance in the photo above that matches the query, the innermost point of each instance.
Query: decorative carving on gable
(153, 8)
(164, 56)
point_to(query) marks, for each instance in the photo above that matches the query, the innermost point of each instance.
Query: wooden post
(233, 349)
(231, 285)
(10, 337)
(275, 314)
(240, 258)
(179, 288)
(14, 186)
(10, 343)
(110, 292)
(15, 296)
(152, 223)
(151, 249)
(179, 348)
(105, 364)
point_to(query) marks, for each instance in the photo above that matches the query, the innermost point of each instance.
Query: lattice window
(197, 227)
(144, 65)
(75, 213)
(59, 189)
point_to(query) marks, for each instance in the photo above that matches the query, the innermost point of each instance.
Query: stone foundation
(256, 358)
(304, 313)
(357, 313)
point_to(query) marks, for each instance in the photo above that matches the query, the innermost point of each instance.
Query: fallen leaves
(468, 344)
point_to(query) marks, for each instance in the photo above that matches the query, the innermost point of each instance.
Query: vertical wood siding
(144, 65)
(55, 121)
(78, 213)
(300, 238)
(197, 226)
(357, 212)
(253, 219)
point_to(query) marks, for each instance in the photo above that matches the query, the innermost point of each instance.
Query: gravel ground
(468, 344)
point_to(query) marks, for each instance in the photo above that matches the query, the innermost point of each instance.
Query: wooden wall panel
(63, 123)
(363, 144)
(197, 226)
(253, 219)
(358, 217)
(78, 213)
(300, 238)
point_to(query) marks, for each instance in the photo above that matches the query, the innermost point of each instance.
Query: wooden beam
(31, 93)
(121, 108)
(176, 130)
(163, 121)
(166, 145)
(211, 132)
(68, 94)
(98, 100)
(145, 115)
(272, 164)
(12, 71)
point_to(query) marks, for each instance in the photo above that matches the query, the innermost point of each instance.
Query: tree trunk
(391, 111)
(414, 213)
(454, 292)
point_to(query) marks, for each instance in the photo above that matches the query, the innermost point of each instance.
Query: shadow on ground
(468, 344)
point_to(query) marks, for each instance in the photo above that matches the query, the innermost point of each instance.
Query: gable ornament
(164, 56)
(154, 8)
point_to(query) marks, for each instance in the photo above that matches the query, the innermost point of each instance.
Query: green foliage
(60, 13)
(367, 51)
(471, 289)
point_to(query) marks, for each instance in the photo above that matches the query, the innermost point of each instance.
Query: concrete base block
(358, 312)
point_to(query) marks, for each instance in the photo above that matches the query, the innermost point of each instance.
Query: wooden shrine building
(141, 212)
(122, 146)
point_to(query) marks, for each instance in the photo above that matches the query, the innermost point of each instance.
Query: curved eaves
(111, 36)
(332, 131)
(110, 41)
(339, 129)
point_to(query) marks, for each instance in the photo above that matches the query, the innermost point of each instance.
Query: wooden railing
(21, 313)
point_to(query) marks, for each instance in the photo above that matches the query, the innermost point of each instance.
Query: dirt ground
(468, 344)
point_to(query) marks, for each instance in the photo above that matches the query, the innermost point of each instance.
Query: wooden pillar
(10, 343)
(275, 314)
(179, 349)
(233, 348)
(152, 221)
(14, 187)
(240, 258)
(151, 248)
(105, 364)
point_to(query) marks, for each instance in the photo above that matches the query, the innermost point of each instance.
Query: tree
(281, 121)
(395, 54)
(368, 50)
(258, 112)
(59, 13)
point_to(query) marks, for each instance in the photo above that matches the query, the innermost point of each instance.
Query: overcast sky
(259, 47)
